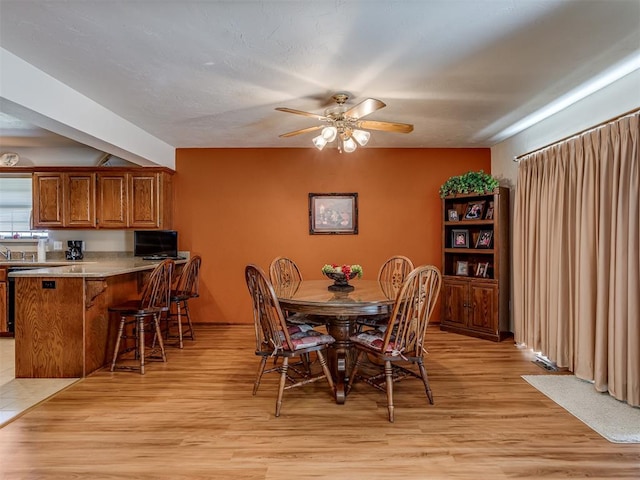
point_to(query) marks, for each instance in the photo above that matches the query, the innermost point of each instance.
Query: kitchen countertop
(36, 264)
(92, 269)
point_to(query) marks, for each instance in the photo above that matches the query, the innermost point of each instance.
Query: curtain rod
(517, 158)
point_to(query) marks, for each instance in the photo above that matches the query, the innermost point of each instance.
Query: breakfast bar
(62, 327)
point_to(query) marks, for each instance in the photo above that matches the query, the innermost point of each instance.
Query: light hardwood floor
(195, 417)
(19, 394)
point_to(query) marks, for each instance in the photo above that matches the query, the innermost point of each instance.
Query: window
(15, 208)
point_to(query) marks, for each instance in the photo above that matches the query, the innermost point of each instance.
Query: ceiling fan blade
(386, 126)
(303, 130)
(365, 107)
(300, 112)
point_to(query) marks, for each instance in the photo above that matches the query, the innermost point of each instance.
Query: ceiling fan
(345, 123)
(9, 159)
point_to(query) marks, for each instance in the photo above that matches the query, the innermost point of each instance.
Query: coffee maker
(75, 250)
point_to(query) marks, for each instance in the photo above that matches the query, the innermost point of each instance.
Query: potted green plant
(470, 182)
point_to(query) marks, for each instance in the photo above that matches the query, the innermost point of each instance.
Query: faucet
(7, 253)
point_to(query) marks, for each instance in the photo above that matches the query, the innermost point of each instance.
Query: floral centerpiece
(341, 276)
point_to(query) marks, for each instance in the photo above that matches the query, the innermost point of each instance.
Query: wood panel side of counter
(66, 331)
(100, 327)
(4, 303)
(49, 328)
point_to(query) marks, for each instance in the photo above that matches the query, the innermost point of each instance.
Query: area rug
(616, 421)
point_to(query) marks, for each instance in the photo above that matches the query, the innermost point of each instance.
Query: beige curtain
(576, 256)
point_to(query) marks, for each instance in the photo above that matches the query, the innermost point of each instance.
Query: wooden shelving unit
(475, 260)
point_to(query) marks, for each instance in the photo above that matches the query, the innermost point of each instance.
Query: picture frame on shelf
(333, 213)
(474, 210)
(462, 268)
(482, 269)
(453, 215)
(459, 238)
(489, 213)
(485, 239)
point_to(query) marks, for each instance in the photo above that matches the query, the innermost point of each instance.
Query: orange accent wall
(240, 206)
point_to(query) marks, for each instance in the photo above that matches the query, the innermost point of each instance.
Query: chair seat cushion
(304, 319)
(373, 320)
(374, 339)
(304, 336)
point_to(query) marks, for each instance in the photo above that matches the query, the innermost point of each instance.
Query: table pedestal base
(339, 354)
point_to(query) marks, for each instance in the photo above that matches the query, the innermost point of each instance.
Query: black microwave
(155, 243)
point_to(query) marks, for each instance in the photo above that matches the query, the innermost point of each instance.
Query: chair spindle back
(157, 290)
(413, 308)
(188, 283)
(270, 325)
(284, 271)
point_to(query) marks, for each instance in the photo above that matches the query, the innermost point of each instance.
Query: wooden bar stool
(148, 309)
(187, 286)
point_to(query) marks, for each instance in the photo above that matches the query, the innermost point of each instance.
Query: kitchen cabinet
(64, 200)
(80, 206)
(48, 195)
(146, 200)
(103, 197)
(113, 200)
(475, 259)
(134, 200)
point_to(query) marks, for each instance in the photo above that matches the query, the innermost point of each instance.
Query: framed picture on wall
(333, 213)
(453, 215)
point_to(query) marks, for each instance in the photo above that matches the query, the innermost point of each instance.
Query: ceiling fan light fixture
(319, 142)
(349, 145)
(361, 136)
(9, 159)
(329, 133)
(343, 123)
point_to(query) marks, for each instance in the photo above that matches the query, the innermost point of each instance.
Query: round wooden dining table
(339, 311)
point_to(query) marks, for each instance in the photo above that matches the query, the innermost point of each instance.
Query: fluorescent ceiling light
(606, 78)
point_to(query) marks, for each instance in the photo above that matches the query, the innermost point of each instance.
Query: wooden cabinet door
(81, 200)
(143, 208)
(454, 298)
(48, 200)
(113, 201)
(484, 311)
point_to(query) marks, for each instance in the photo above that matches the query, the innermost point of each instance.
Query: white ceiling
(210, 73)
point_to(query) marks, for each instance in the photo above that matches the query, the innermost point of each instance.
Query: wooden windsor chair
(278, 340)
(285, 274)
(402, 339)
(392, 273)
